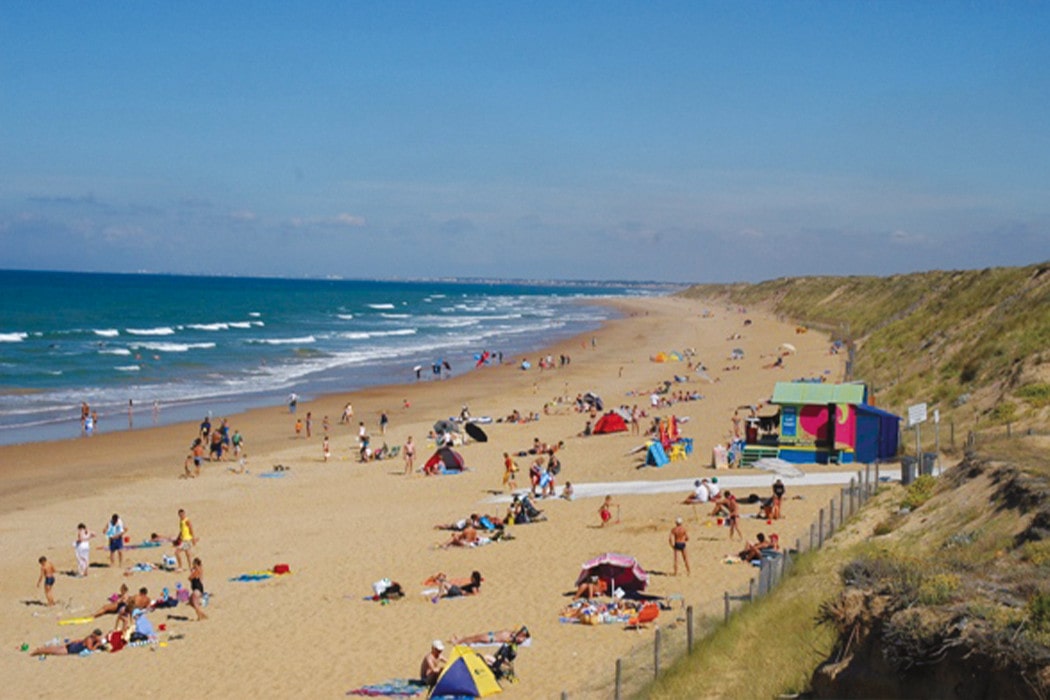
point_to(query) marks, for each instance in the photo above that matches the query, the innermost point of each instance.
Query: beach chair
(677, 452)
(646, 614)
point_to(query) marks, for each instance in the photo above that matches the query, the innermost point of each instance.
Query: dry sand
(342, 525)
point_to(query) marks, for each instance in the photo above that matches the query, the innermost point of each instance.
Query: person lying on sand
(454, 588)
(495, 637)
(89, 643)
(465, 538)
(480, 522)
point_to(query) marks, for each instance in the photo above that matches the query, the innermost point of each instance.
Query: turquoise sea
(179, 347)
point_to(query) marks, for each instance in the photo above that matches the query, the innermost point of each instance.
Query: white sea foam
(164, 330)
(396, 315)
(380, 306)
(365, 335)
(209, 326)
(172, 347)
(345, 317)
(242, 324)
(127, 368)
(254, 314)
(13, 337)
(114, 351)
(284, 341)
(106, 332)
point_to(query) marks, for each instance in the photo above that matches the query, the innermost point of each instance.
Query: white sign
(916, 414)
(937, 415)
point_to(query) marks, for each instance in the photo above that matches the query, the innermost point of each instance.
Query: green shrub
(938, 589)
(1038, 610)
(1037, 553)
(919, 491)
(1036, 394)
(1004, 412)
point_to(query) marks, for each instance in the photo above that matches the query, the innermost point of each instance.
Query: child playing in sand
(605, 512)
(326, 448)
(298, 427)
(47, 577)
(567, 492)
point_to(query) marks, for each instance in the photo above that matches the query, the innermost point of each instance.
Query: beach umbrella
(474, 430)
(444, 426)
(787, 346)
(621, 570)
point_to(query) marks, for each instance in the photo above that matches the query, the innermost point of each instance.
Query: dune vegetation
(939, 586)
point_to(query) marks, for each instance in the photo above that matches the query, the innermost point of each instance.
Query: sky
(668, 141)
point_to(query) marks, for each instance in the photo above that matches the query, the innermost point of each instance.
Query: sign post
(916, 417)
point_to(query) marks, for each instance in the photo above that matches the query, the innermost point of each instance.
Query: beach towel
(272, 475)
(259, 575)
(76, 620)
(395, 688)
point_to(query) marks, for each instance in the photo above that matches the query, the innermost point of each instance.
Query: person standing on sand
(410, 455)
(185, 540)
(678, 538)
(509, 470)
(115, 533)
(197, 589)
(734, 515)
(293, 402)
(82, 548)
(605, 511)
(309, 424)
(325, 448)
(298, 427)
(47, 577)
(384, 419)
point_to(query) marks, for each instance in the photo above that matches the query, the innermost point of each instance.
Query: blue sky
(673, 141)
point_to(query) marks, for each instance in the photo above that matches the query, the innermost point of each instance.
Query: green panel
(809, 393)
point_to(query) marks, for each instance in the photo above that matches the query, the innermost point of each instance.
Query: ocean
(178, 347)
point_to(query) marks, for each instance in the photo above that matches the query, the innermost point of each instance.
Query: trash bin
(908, 466)
(929, 460)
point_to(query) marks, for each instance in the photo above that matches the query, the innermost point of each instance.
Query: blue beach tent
(656, 456)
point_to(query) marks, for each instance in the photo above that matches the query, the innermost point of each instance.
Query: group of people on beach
(130, 609)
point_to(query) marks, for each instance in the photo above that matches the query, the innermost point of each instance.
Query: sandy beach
(343, 524)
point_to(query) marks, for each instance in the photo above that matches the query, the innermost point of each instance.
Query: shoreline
(342, 525)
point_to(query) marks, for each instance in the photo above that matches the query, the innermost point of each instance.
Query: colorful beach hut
(828, 423)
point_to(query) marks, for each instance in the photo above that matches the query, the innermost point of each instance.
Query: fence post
(564, 695)
(751, 591)
(812, 536)
(952, 424)
(725, 598)
(820, 530)
(831, 518)
(689, 629)
(876, 479)
(619, 678)
(852, 496)
(798, 545)
(842, 506)
(860, 488)
(867, 481)
(656, 653)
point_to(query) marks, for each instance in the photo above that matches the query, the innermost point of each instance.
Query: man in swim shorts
(47, 577)
(677, 539)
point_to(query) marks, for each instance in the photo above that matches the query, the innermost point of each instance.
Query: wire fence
(671, 641)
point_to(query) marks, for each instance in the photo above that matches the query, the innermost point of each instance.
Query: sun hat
(438, 644)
